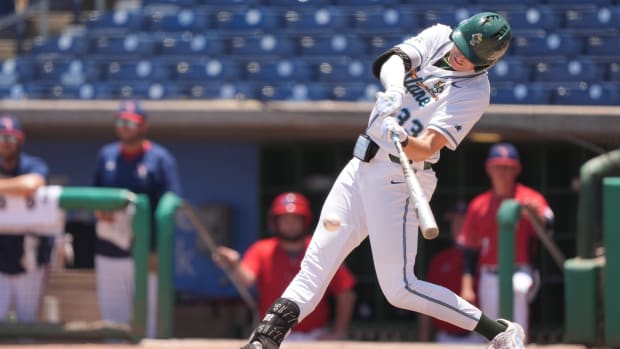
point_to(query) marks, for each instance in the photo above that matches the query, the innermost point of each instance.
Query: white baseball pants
(25, 290)
(372, 199)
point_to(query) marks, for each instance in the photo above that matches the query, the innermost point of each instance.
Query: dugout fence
(100, 199)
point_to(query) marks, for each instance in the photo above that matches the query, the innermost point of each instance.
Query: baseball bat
(545, 238)
(423, 211)
(212, 246)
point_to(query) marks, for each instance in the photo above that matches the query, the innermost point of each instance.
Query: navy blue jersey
(12, 246)
(152, 172)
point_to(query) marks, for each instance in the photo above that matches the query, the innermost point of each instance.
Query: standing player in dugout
(436, 89)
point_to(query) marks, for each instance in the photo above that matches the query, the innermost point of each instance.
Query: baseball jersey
(429, 87)
(446, 269)
(480, 228)
(153, 172)
(274, 268)
(12, 246)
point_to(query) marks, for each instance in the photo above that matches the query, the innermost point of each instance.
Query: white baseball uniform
(372, 199)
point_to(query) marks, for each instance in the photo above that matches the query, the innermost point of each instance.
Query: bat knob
(430, 233)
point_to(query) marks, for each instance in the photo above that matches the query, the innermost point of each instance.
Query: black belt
(396, 160)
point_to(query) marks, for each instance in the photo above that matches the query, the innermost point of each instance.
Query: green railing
(507, 218)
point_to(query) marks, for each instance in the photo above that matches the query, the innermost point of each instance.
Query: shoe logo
(396, 182)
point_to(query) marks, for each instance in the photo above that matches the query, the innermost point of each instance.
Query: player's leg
(28, 288)
(5, 295)
(522, 282)
(115, 288)
(488, 295)
(324, 255)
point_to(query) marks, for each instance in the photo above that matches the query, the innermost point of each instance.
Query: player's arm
(229, 259)
(24, 185)
(422, 147)
(470, 263)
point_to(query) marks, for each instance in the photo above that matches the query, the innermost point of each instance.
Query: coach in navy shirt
(21, 278)
(143, 167)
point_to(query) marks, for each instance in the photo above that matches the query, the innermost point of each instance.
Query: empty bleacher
(563, 52)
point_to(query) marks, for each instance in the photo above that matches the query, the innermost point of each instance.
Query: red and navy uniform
(480, 229)
(12, 246)
(274, 268)
(152, 171)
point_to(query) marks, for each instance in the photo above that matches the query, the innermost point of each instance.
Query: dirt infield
(235, 344)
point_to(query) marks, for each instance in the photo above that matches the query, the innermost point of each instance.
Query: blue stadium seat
(593, 20)
(14, 91)
(603, 46)
(180, 3)
(379, 43)
(348, 92)
(387, 20)
(542, 44)
(509, 69)
(184, 20)
(365, 2)
(278, 71)
(207, 70)
(219, 90)
(572, 4)
(613, 72)
(190, 45)
(344, 71)
(132, 45)
(297, 3)
(67, 73)
(115, 22)
(573, 70)
(527, 93)
(325, 19)
(63, 45)
(585, 94)
(246, 20)
(9, 74)
(164, 90)
(237, 90)
(448, 15)
(142, 70)
(331, 45)
(229, 3)
(265, 45)
(533, 18)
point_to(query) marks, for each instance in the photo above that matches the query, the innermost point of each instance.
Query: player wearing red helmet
(272, 263)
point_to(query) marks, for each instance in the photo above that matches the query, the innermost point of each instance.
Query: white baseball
(331, 222)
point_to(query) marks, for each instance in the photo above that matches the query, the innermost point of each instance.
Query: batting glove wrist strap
(278, 321)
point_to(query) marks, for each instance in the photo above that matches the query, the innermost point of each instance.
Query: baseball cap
(503, 154)
(9, 124)
(131, 110)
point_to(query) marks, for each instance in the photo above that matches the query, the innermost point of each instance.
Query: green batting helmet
(483, 38)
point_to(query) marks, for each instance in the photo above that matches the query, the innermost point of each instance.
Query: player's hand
(226, 258)
(391, 127)
(389, 102)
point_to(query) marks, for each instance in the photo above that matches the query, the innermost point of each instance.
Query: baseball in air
(331, 222)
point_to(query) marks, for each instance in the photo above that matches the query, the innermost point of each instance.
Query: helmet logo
(475, 39)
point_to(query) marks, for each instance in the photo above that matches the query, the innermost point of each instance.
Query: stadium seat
(532, 18)
(207, 70)
(509, 69)
(592, 20)
(379, 43)
(237, 90)
(347, 92)
(219, 90)
(585, 94)
(231, 3)
(277, 71)
(603, 46)
(325, 19)
(257, 19)
(544, 45)
(184, 20)
(344, 70)
(114, 22)
(180, 3)
(118, 47)
(63, 45)
(571, 4)
(142, 70)
(186, 44)
(365, 2)
(331, 45)
(9, 74)
(305, 3)
(613, 72)
(67, 73)
(388, 21)
(527, 93)
(448, 15)
(14, 91)
(264, 45)
(573, 70)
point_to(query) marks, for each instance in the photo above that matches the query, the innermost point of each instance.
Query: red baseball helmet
(290, 202)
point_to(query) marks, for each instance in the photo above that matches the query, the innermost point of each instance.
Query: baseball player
(272, 263)
(480, 231)
(143, 167)
(436, 89)
(23, 257)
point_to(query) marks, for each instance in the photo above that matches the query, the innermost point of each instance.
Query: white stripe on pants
(115, 288)
(25, 290)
